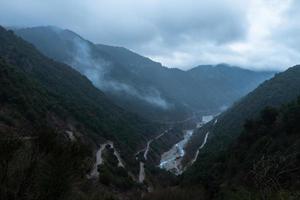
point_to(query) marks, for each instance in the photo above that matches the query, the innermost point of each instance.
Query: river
(171, 160)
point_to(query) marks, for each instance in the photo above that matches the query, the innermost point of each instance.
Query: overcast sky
(260, 34)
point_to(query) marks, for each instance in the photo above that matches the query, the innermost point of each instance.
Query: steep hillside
(141, 85)
(81, 102)
(38, 161)
(281, 89)
(121, 84)
(262, 163)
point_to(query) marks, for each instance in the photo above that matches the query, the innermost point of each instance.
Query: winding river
(171, 160)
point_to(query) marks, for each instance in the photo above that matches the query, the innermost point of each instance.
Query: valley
(141, 85)
(87, 121)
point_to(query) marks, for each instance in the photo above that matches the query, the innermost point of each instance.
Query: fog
(98, 71)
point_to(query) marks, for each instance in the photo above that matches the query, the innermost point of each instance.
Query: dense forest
(263, 163)
(74, 93)
(284, 87)
(141, 85)
(54, 122)
(51, 121)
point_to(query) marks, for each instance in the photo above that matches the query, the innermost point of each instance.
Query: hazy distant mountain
(282, 89)
(141, 85)
(253, 149)
(262, 163)
(66, 95)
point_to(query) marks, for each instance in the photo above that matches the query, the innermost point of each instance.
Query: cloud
(259, 34)
(149, 95)
(98, 71)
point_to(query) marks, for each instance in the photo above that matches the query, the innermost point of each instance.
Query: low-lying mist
(98, 70)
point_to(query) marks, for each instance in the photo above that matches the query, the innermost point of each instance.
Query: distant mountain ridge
(281, 89)
(141, 85)
(261, 163)
(77, 97)
(53, 121)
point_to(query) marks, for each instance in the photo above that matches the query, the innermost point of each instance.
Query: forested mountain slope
(75, 93)
(263, 163)
(281, 89)
(142, 85)
(37, 159)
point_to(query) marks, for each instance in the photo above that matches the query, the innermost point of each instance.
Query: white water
(171, 160)
(207, 118)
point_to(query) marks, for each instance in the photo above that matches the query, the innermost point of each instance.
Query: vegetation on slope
(76, 94)
(263, 163)
(40, 101)
(142, 85)
(281, 89)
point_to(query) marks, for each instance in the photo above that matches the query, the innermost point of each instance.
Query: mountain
(225, 129)
(252, 151)
(52, 121)
(75, 91)
(262, 163)
(282, 88)
(141, 85)
(63, 138)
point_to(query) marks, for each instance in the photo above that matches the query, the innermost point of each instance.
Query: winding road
(203, 144)
(99, 160)
(171, 160)
(142, 174)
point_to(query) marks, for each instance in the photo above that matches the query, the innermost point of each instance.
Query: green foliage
(111, 175)
(263, 163)
(282, 89)
(39, 100)
(31, 172)
(202, 88)
(35, 86)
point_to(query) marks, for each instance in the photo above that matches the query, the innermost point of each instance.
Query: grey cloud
(190, 21)
(289, 33)
(151, 96)
(126, 24)
(175, 32)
